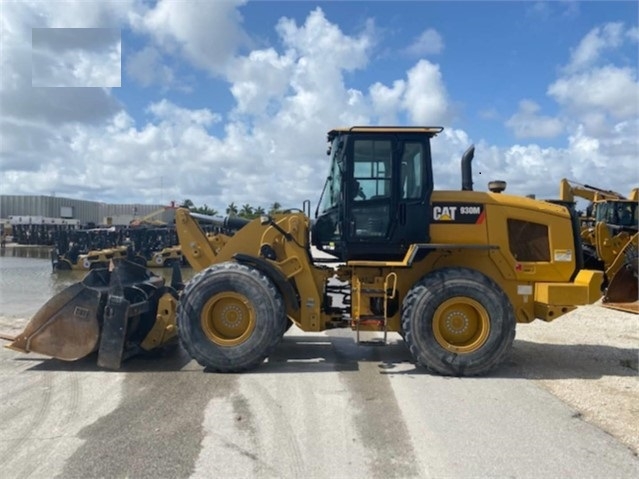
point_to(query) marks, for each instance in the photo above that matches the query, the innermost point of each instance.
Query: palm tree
(231, 209)
(246, 211)
(206, 210)
(275, 208)
(187, 204)
(259, 211)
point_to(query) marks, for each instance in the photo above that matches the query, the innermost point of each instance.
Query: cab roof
(428, 130)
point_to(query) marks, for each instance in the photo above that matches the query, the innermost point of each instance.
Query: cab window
(372, 169)
(411, 173)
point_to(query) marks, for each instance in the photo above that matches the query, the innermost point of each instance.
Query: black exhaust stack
(466, 169)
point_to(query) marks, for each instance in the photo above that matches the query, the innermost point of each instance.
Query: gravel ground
(588, 358)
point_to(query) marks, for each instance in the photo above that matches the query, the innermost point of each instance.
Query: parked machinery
(609, 240)
(153, 247)
(87, 249)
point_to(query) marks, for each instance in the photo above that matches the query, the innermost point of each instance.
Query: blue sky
(229, 101)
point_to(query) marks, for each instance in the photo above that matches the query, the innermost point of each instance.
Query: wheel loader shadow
(173, 358)
(529, 360)
(333, 351)
(295, 354)
(317, 353)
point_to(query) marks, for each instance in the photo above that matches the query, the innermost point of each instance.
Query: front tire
(458, 322)
(230, 317)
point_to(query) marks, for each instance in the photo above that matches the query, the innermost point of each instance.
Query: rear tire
(458, 322)
(230, 317)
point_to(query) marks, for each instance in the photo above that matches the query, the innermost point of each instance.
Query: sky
(138, 101)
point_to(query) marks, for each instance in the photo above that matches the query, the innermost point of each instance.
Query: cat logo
(459, 213)
(444, 213)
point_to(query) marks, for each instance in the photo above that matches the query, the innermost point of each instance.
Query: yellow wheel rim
(228, 319)
(461, 325)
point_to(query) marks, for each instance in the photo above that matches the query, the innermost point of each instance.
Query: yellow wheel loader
(609, 240)
(451, 271)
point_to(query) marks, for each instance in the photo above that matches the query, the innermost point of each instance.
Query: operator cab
(376, 199)
(619, 215)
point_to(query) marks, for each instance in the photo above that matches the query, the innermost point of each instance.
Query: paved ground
(324, 407)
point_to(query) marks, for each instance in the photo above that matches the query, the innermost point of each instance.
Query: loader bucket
(70, 325)
(66, 326)
(623, 291)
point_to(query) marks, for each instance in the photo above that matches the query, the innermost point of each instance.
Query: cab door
(387, 194)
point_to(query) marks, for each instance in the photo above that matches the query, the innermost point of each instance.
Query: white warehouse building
(25, 209)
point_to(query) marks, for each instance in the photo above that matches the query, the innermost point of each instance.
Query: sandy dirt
(588, 358)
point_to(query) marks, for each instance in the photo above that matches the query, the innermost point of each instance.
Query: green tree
(206, 210)
(259, 211)
(231, 209)
(275, 208)
(187, 204)
(246, 211)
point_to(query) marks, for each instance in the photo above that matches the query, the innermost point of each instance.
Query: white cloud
(605, 162)
(77, 68)
(426, 98)
(244, 164)
(320, 38)
(546, 10)
(613, 90)
(19, 17)
(386, 101)
(259, 77)
(206, 33)
(526, 123)
(36, 122)
(166, 111)
(598, 103)
(591, 47)
(147, 68)
(407, 97)
(592, 90)
(429, 42)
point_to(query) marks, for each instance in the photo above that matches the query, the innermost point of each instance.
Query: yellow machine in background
(151, 218)
(87, 249)
(92, 259)
(609, 240)
(451, 271)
